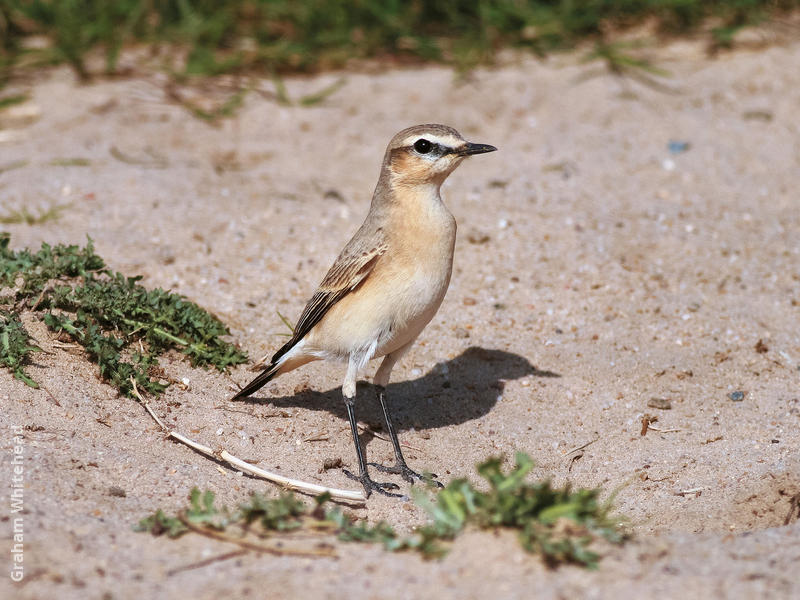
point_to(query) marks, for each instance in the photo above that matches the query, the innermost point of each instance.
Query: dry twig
(207, 561)
(581, 447)
(248, 545)
(794, 509)
(662, 430)
(224, 455)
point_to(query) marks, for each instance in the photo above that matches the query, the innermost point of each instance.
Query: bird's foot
(370, 485)
(402, 469)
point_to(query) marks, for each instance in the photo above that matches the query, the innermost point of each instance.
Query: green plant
(123, 327)
(560, 524)
(15, 346)
(620, 61)
(7, 101)
(29, 218)
(278, 36)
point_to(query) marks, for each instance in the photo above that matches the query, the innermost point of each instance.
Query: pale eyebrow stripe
(447, 142)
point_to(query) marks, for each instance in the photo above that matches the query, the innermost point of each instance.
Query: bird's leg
(400, 467)
(349, 394)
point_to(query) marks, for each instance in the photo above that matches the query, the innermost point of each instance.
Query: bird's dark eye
(423, 146)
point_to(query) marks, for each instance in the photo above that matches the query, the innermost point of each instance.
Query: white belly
(417, 300)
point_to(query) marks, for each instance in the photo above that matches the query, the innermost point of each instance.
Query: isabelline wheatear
(387, 283)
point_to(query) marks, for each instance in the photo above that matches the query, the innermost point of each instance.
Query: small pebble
(661, 403)
(478, 237)
(677, 146)
(737, 396)
(333, 194)
(757, 115)
(117, 491)
(498, 183)
(331, 463)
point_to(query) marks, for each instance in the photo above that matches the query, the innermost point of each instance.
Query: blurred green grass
(278, 36)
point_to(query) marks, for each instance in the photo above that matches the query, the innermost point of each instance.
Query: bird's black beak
(469, 149)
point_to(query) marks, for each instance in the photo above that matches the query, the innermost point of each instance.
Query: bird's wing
(349, 271)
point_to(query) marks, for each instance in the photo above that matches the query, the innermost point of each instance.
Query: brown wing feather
(346, 274)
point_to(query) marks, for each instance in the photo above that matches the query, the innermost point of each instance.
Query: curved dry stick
(292, 484)
(248, 545)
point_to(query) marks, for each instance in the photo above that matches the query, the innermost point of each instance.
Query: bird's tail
(260, 381)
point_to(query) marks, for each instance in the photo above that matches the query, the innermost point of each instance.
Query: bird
(386, 284)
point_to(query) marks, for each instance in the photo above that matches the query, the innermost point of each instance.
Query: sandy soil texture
(598, 267)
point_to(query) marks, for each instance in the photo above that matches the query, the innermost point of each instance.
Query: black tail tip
(240, 394)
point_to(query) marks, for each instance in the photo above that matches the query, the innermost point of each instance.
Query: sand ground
(596, 269)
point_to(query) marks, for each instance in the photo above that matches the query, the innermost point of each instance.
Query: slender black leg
(363, 476)
(400, 467)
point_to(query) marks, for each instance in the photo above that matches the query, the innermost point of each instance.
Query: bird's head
(427, 154)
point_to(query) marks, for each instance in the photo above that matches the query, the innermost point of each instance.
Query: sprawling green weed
(558, 523)
(123, 327)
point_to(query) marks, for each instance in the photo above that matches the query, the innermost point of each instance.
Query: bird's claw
(406, 473)
(370, 485)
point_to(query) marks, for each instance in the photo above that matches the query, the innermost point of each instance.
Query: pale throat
(422, 200)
